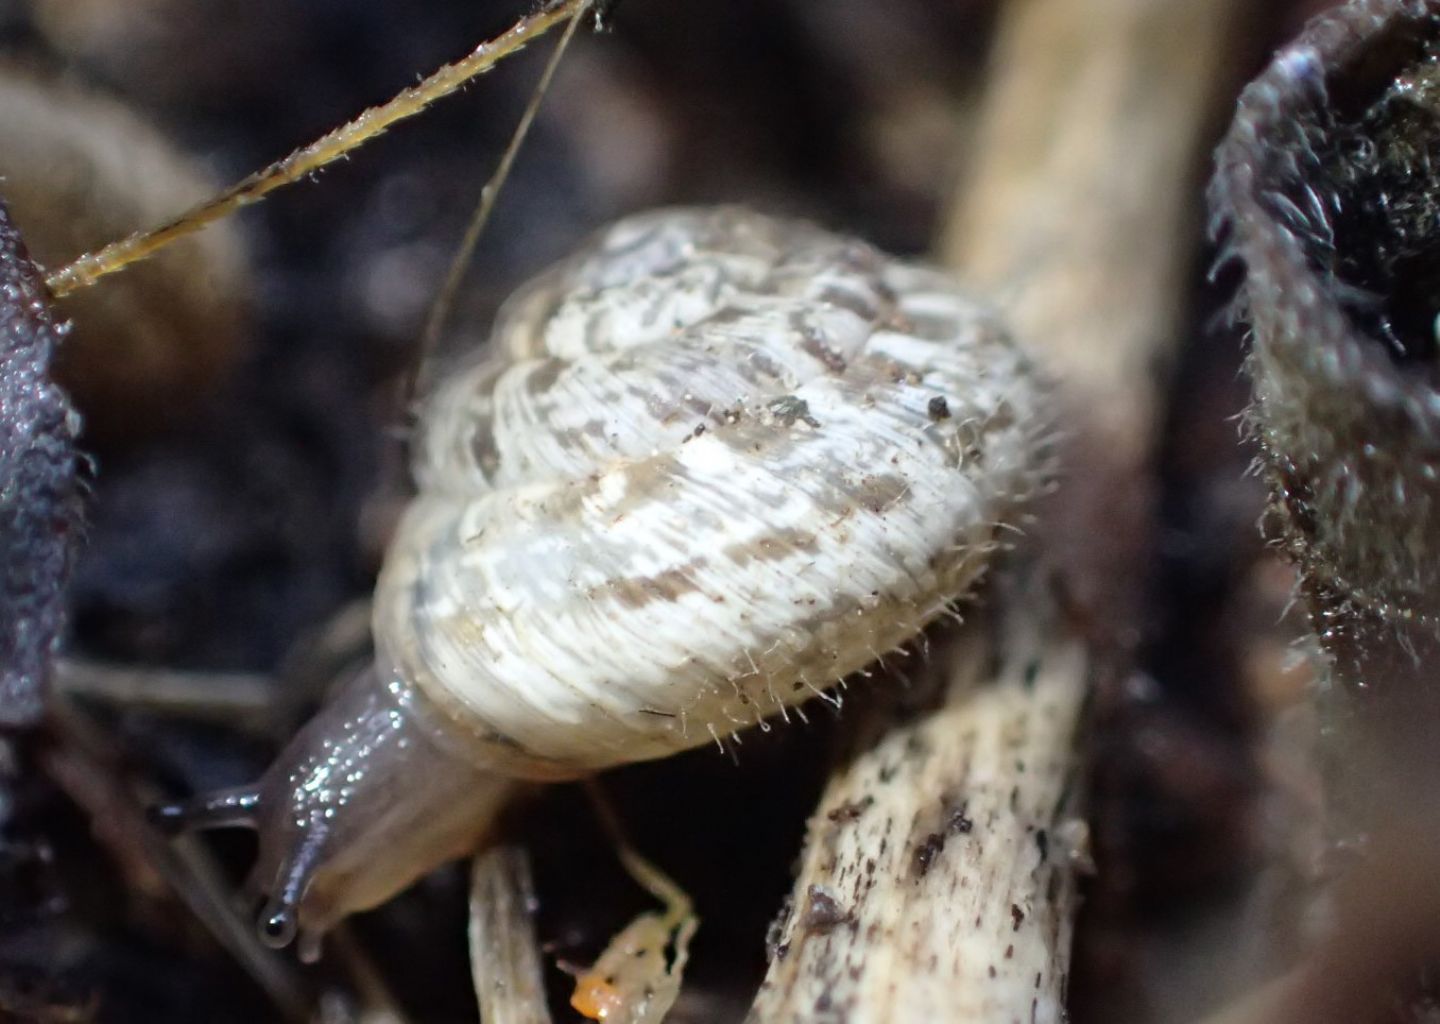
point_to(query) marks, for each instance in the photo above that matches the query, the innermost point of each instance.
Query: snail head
(362, 802)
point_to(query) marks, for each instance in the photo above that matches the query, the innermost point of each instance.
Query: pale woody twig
(939, 872)
(1080, 186)
(504, 958)
(1083, 185)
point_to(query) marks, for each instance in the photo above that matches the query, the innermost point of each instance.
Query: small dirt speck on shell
(927, 851)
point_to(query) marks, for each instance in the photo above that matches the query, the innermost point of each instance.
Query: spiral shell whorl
(716, 462)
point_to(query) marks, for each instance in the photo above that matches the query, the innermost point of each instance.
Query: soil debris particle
(927, 851)
(823, 911)
(851, 810)
(791, 409)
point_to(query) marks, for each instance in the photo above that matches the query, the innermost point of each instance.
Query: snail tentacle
(225, 808)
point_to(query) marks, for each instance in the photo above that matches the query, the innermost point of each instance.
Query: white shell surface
(716, 462)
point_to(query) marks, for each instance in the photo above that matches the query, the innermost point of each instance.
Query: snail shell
(712, 463)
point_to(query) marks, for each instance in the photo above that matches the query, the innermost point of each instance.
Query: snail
(1326, 190)
(710, 464)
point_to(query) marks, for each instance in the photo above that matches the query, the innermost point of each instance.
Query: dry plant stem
(91, 267)
(454, 276)
(1082, 181)
(1080, 193)
(240, 700)
(1347, 416)
(249, 701)
(81, 764)
(936, 884)
(504, 958)
(338, 649)
(378, 1003)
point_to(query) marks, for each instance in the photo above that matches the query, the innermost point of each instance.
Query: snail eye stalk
(226, 808)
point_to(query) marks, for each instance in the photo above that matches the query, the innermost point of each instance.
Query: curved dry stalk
(305, 161)
(634, 981)
(40, 490)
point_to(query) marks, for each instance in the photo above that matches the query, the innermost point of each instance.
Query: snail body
(712, 463)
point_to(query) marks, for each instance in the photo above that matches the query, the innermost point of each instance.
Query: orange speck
(595, 997)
